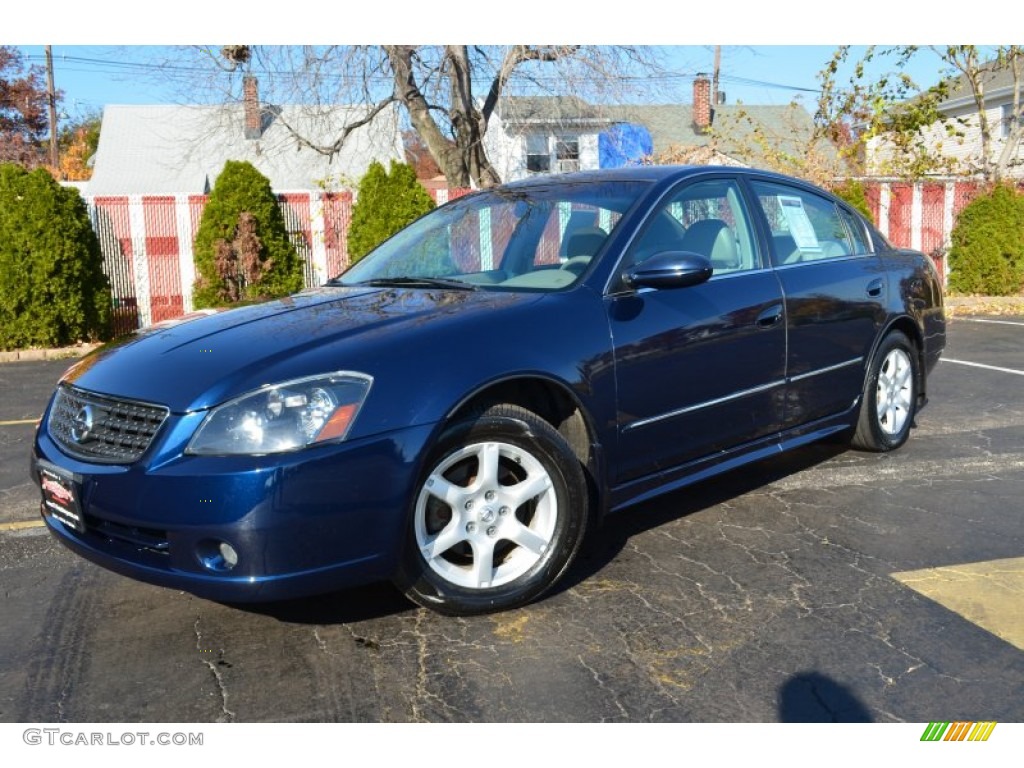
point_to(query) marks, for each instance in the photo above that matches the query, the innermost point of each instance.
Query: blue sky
(767, 46)
(92, 76)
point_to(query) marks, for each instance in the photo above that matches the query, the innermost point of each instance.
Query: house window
(567, 152)
(538, 156)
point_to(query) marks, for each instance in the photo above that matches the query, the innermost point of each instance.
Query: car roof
(629, 173)
(653, 173)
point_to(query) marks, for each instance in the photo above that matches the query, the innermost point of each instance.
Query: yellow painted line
(18, 421)
(22, 525)
(989, 594)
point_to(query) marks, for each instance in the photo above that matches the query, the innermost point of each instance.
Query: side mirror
(669, 269)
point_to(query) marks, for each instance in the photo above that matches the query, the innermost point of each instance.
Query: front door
(699, 369)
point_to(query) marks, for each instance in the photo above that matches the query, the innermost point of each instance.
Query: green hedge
(242, 195)
(387, 202)
(852, 191)
(52, 288)
(987, 255)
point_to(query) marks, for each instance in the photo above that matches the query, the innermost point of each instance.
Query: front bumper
(312, 521)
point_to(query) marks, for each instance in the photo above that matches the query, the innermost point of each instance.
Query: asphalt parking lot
(828, 585)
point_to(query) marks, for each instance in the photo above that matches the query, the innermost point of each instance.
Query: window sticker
(800, 228)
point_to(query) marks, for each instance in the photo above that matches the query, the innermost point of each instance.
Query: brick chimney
(251, 101)
(701, 102)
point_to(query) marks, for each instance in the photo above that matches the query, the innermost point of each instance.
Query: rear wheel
(499, 515)
(890, 394)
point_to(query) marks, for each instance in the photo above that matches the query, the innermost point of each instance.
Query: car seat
(714, 240)
(581, 247)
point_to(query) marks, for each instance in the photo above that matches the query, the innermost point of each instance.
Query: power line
(105, 65)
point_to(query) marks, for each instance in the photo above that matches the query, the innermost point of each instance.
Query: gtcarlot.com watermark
(68, 738)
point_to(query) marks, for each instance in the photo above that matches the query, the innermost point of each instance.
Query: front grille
(103, 429)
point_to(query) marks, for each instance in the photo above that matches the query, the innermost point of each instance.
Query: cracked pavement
(764, 595)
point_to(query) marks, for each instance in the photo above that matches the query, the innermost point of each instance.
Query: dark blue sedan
(456, 410)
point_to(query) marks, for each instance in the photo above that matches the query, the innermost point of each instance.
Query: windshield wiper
(418, 282)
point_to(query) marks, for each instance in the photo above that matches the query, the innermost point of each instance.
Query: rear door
(835, 290)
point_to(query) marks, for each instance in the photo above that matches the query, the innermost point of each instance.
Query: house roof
(732, 126)
(566, 110)
(997, 81)
(182, 149)
(699, 155)
(671, 125)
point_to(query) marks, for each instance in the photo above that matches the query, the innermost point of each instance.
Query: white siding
(507, 152)
(963, 151)
(589, 158)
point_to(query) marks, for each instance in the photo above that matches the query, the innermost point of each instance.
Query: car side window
(707, 218)
(861, 244)
(804, 226)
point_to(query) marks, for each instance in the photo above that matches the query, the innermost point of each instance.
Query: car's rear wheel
(498, 516)
(890, 394)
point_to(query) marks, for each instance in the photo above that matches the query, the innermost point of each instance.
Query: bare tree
(993, 161)
(23, 100)
(885, 115)
(933, 130)
(449, 93)
(792, 144)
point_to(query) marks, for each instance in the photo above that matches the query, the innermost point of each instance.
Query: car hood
(203, 361)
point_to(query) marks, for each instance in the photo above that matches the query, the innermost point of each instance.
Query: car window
(804, 226)
(539, 237)
(707, 218)
(861, 244)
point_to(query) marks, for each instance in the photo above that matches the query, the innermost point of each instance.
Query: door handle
(874, 289)
(769, 316)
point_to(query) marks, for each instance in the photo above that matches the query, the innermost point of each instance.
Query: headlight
(283, 417)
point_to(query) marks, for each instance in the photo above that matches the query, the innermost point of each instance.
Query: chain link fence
(147, 239)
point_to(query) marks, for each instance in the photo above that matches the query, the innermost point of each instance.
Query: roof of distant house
(732, 125)
(182, 149)
(526, 110)
(997, 81)
(671, 125)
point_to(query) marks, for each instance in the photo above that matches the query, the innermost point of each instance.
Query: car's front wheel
(890, 394)
(499, 514)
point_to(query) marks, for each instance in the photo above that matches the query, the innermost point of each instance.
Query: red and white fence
(147, 246)
(147, 239)
(920, 215)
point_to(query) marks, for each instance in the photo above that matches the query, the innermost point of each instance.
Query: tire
(499, 514)
(889, 402)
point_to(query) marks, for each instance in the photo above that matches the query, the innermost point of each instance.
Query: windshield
(515, 238)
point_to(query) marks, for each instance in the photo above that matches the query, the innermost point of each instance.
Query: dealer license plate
(61, 496)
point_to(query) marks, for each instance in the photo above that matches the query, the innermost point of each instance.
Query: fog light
(216, 555)
(227, 552)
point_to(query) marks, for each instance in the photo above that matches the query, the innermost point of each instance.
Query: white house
(962, 151)
(174, 150)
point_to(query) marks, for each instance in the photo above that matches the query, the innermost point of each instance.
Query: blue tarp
(623, 144)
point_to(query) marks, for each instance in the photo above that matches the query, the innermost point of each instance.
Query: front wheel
(499, 515)
(890, 394)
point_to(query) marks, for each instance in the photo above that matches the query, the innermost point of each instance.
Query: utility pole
(714, 79)
(51, 96)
